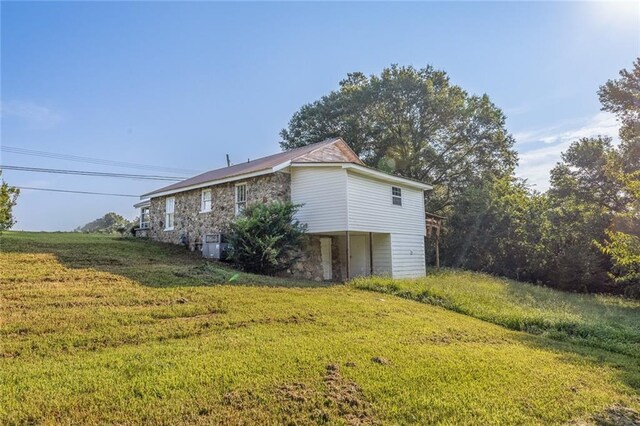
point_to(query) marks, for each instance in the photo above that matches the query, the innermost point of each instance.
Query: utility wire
(90, 173)
(90, 160)
(75, 192)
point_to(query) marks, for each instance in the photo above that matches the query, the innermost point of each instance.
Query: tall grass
(605, 322)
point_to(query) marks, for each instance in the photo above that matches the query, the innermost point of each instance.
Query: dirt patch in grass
(452, 336)
(348, 398)
(342, 400)
(380, 360)
(616, 415)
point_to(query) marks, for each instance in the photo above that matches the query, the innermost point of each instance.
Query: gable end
(336, 152)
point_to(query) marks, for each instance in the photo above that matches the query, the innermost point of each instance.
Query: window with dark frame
(396, 196)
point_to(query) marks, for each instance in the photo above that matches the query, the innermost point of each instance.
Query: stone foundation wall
(190, 223)
(309, 266)
(142, 233)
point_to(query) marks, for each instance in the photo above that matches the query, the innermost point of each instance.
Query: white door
(359, 256)
(325, 251)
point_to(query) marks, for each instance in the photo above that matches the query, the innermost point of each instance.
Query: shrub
(265, 238)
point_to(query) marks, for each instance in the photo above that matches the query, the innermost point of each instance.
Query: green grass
(94, 330)
(148, 263)
(606, 322)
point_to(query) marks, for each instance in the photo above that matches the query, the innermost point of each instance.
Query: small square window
(396, 196)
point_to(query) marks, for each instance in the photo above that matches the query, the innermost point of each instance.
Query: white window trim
(236, 203)
(166, 214)
(147, 222)
(393, 196)
(202, 209)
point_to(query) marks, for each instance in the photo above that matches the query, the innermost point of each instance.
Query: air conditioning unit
(214, 246)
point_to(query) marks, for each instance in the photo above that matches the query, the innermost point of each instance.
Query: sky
(179, 85)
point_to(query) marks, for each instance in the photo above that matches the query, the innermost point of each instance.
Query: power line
(90, 173)
(75, 192)
(90, 160)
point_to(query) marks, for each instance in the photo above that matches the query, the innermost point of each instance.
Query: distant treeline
(110, 223)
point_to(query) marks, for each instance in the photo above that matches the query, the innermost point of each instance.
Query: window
(169, 213)
(144, 218)
(396, 196)
(205, 204)
(241, 197)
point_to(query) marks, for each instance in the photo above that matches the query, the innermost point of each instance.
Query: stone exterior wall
(309, 266)
(190, 223)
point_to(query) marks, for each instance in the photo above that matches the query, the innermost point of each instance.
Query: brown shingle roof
(260, 164)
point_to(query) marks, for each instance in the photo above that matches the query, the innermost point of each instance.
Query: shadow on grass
(148, 262)
(599, 331)
(625, 368)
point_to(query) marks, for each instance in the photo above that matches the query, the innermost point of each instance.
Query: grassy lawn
(94, 329)
(148, 263)
(611, 323)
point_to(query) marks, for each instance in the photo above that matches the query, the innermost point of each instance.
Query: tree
(266, 238)
(589, 172)
(498, 228)
(108, 224)
(8, 199)
(415, 123)
(624, 250)
(622, 98)
(586, 196)
(622, 244)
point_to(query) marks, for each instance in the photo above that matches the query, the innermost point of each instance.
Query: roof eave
(227, 179)
(143, 203)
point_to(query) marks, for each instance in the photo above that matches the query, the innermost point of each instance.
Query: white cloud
(32, 113)
(536, 163)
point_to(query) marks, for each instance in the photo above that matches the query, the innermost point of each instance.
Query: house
(361, 221)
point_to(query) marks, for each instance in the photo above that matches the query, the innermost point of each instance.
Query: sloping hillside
(95, 329)
(611, 323)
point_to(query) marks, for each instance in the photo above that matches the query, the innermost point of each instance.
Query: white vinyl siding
(336, 200)
(371, 207)
(323, 193)
(407, 255)
(381, 254)
(170, 205)
(205, 201)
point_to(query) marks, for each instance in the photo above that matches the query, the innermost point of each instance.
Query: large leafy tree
(594, 197)
(622, 98)
(415, 123)
(8, 199)
(590, 173)
(497, 228)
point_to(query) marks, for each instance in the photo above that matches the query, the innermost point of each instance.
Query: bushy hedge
(266, 238)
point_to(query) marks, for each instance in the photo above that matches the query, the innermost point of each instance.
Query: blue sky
(182, 84)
